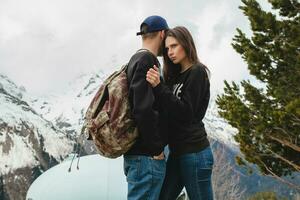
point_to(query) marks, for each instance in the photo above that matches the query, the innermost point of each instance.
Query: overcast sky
(46, 44)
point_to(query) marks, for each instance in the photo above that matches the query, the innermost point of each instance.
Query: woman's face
(175, 51)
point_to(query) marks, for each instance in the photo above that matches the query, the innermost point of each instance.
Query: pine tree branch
(286, 143)
(284, 132)
(296, 118)
(292, 185)
(297, 167)
(294, 5)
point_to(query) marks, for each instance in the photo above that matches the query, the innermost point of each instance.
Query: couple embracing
(168, 105)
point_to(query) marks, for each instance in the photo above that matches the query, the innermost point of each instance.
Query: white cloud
(45, 44)
(216, 26)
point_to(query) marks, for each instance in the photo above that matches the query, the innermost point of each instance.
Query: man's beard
(160, 50)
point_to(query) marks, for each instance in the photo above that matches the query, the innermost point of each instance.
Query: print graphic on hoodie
(177, 90)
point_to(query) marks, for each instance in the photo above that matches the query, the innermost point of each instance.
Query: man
(144, 163)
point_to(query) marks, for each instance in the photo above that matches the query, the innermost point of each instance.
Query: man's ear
(162, 34)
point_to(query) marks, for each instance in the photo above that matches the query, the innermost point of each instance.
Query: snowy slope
(29, 144)
(20, 126)
(11, 88)
(66, 110)
(217, 127)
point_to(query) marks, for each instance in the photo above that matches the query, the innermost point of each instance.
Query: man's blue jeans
(144, 176)
(192, 171)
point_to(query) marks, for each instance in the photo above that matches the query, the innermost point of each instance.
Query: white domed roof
(97, 178)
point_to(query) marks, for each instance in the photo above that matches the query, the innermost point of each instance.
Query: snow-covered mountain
(29, 144)
(217, 128)
(66, 110)
(36, 133)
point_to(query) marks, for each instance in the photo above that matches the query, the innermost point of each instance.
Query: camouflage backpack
(107, 120)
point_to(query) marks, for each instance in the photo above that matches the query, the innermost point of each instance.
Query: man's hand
(161, 156)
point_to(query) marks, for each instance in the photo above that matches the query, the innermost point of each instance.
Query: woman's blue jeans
(192, 171)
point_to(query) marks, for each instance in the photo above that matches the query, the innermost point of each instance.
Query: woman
(185, 96)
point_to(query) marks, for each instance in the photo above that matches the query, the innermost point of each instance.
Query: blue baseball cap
(154, 23)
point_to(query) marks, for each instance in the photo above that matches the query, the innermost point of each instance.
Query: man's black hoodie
(148, 115)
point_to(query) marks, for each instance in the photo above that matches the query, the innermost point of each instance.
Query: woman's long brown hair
(185, 39)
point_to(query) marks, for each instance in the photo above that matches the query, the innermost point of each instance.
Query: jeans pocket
(158, 167)
(206, 159)
(204, 174)
(132, 165)
(205, 163)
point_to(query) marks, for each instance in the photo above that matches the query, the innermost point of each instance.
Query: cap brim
(141, 33)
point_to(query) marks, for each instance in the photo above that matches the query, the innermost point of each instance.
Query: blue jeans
(144, 176)
(192, 171)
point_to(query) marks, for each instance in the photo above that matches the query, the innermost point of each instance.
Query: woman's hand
(153, 76)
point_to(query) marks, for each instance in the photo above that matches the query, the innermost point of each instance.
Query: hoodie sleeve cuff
(158, 89)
